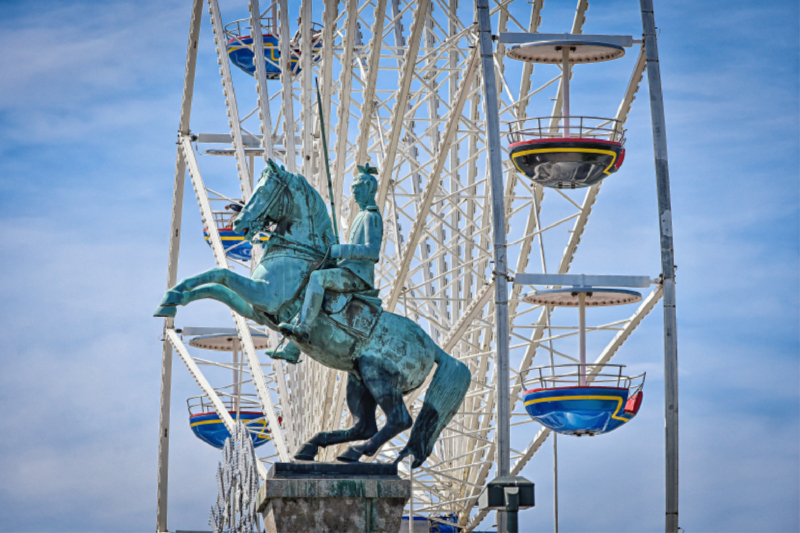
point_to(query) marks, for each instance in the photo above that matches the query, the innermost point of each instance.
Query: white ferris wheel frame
(426, 137)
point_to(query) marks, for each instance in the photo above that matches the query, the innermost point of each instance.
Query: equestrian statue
(320, 294)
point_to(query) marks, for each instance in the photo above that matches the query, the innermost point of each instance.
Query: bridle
(259, 222)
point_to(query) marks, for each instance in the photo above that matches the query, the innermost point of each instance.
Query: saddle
(355, 312)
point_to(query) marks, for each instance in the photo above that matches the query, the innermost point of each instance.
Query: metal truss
(400, 87)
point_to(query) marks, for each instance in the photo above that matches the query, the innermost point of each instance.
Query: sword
(327, 163)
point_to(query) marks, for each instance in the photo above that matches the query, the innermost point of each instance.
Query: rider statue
(356, 271)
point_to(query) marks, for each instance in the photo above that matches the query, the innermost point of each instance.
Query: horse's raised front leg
(362, 407)
(251, 291)
(217, 292)
(381, 380)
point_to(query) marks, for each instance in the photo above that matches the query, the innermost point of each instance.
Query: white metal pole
(495, 170)
(565, 85)
(667, 266)
(172, 268)
(582, 338)
(286, 81)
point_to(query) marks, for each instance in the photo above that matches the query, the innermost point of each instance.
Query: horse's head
(264, 206)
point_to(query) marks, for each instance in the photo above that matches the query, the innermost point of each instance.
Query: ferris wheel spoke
(432, 184)
(330, 14)
(345, 99)
(367, 108)
(401, 99)
(306, 94)
(245, 180)
(286, 79)
(261, 81)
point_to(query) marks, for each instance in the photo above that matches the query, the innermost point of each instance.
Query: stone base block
(335, 497)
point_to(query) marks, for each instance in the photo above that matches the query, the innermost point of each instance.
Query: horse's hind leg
(362, 407)
(381, 380)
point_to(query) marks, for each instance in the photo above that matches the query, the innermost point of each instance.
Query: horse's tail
(443, 398)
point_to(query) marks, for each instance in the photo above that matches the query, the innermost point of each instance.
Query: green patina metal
(320, 294)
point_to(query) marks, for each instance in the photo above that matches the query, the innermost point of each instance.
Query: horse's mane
(319, 211)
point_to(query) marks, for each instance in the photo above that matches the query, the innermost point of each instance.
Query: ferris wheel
(401, 86)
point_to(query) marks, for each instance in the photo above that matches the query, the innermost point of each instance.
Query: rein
(292, 244)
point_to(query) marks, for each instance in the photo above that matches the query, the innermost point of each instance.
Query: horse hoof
(307, 453)
(351, 455)
(166, 311)
(172, 298)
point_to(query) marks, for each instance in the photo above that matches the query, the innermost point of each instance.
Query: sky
(87, 149)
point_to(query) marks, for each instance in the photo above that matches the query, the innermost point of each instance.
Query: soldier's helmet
(367, 174)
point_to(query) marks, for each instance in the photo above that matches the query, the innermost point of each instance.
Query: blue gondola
(236, 247)
(240, 52)
(210, 429)
(583, 399)
(242, 56)
(583, 410)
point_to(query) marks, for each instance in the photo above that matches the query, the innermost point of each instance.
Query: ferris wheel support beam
(245, 180)
(306, 94)
(432, 185)
(261, 82)
(521, 112)
(286, 82)
(401, 99)
(329, 15)
(667, 265)
(495, 169)
(172, 267)
(368, 107)
(345, 100)
(172, 336)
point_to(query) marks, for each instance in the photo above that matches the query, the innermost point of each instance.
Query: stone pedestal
(333, 497)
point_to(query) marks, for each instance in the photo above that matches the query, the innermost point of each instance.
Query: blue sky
(89, 103)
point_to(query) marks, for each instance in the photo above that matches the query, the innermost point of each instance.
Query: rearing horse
(385, 355)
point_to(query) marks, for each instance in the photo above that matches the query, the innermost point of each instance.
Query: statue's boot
(301, 331)
(289, 352)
